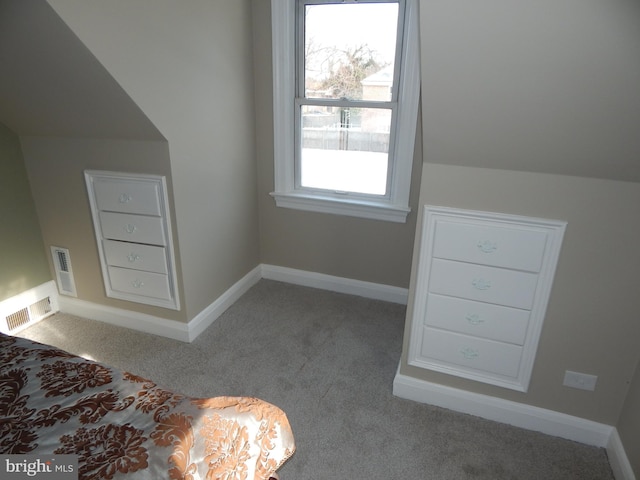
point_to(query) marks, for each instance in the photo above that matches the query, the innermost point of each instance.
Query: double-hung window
(346, 89)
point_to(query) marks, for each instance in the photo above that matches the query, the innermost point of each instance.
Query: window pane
(345, 149)
(349, 50)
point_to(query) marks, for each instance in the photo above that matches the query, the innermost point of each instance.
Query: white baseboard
(349, 286)
(520, 415)
(125, 318)
(209, 315)
(504, 411)
(26, 298)
(618, 458)
(186, 332)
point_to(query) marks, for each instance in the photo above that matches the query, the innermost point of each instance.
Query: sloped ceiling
(51, 85)
(544, 86)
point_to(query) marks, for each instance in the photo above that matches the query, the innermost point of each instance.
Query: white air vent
(40, 309)
(64, 272)
(29, 315)
(17, 319)
(27, 308)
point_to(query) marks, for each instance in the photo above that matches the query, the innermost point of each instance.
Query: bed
(122, 426)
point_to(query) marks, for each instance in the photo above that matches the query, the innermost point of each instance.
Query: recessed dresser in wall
(482, 288)
(133, 231)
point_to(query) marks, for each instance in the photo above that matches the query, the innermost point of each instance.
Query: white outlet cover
(582, 381)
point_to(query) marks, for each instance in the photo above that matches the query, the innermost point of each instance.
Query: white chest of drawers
(133, 232)
(482, 287)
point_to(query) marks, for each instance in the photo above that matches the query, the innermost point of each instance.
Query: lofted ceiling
(51, 84)
(572, 105)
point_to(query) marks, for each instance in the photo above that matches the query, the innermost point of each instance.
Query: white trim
(206, 317)
(503, 411)
(185, 332)
(349, 286)
(284, 56)
(407, 108)
(618, 458)
(353, 208)
(396, 207)
(120, 317)
(27, 298)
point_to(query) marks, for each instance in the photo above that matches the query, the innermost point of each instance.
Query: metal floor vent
(31, 314)
(64, 272)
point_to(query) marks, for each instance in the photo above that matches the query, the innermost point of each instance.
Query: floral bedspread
(123, 426)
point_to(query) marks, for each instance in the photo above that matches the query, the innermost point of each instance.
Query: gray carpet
(329, 361)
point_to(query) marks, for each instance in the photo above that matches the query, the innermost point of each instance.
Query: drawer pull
(129, 228)
(137, 283)
(474, 319)
(133, 257)
(124, 198)
(481, 284)
(469, 353)
(487, 246)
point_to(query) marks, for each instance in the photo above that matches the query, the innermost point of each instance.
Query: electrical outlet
(579, 380)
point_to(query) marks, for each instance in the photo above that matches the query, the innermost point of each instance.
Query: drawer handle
(137, 283)
(124, 198)
(487, 246)
(133, 257)
(474, 319)
(469, 353)
(481, 284)
(129, 228)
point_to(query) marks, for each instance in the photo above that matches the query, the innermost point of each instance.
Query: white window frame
(395, 206)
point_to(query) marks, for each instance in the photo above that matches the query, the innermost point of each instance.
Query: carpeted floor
(329, 361)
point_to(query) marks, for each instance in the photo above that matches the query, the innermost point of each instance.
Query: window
(346, 86)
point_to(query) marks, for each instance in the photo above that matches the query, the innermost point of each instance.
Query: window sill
(376, 210)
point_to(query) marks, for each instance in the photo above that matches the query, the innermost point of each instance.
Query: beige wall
(56, 172)
(533, 109)
(25, 266)
(546, 86)
(53, 86)
(593, 304)
(188, 66)
(368, 250)
(629, 424)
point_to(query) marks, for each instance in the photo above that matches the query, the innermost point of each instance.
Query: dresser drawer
(485, 284)
(136, 256)
(519, 249)
(135, 282)
(472, 353)
(478, 319)
(132, 228)
(481, 290)
(127, 196)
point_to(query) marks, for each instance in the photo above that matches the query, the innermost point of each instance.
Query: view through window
(346, 100)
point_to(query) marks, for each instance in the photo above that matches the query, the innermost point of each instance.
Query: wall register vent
(64, 272)
(17, 319)
(28, 307)
(27, 316)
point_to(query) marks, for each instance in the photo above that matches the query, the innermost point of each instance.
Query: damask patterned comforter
(122, 426)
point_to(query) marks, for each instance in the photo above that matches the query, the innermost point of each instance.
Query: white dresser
(133, 231)
(482, 287)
